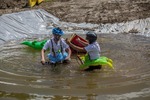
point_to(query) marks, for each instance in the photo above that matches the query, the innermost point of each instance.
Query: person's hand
(78, 39)
(43, 62)
(68, 58)
(67, 41)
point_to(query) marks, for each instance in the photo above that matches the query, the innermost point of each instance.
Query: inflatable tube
(35, 44)
(74, 40)
(40, 1)
(104, 61)
(32, 2)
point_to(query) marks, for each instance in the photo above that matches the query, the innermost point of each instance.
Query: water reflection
(23, 77)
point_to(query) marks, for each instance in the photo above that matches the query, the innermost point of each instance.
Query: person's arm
(82, 42)
(69, 53)
(43, 56)
(77, 48)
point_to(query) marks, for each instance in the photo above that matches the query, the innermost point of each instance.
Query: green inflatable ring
(35, 44)
(100, 61)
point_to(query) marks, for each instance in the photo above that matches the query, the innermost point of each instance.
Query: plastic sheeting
(28, 23)
(140, 27)
(24, 24)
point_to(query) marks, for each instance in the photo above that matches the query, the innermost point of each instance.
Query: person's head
(91, 36)
(57, 32)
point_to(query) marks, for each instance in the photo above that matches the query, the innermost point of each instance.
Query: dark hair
(91, 36)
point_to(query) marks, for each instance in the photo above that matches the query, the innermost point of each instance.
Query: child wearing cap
(92, 48)
(59, 49)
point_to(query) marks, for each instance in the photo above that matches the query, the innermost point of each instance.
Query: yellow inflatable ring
(32, 2)
(100, 61)
(39, 1)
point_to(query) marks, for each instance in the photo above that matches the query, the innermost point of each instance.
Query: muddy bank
(90, 11)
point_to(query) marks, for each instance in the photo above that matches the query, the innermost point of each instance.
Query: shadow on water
(23, 77)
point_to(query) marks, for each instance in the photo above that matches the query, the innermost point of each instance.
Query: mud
(89, 11)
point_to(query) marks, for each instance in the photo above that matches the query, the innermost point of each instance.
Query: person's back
(93, 50)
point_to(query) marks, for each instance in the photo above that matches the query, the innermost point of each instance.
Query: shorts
(58, 58)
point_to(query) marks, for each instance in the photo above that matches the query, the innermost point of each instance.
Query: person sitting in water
(59, 49)
(92, 48)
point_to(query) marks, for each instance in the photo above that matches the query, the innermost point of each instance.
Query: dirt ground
(90, 11)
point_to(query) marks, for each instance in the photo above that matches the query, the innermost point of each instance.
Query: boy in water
(59, 50)
(92, 48)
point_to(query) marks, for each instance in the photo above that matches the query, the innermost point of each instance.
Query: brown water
(22, 77)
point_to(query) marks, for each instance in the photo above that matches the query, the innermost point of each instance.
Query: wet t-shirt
(93, 50)
(57, 47)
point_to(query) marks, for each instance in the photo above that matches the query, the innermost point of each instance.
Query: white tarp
(23, 24)
(27, 23)
(141, 27)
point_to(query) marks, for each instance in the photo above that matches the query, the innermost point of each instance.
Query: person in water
(59, 49)
(92, 48)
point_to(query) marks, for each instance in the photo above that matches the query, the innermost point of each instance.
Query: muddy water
(22, 77)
